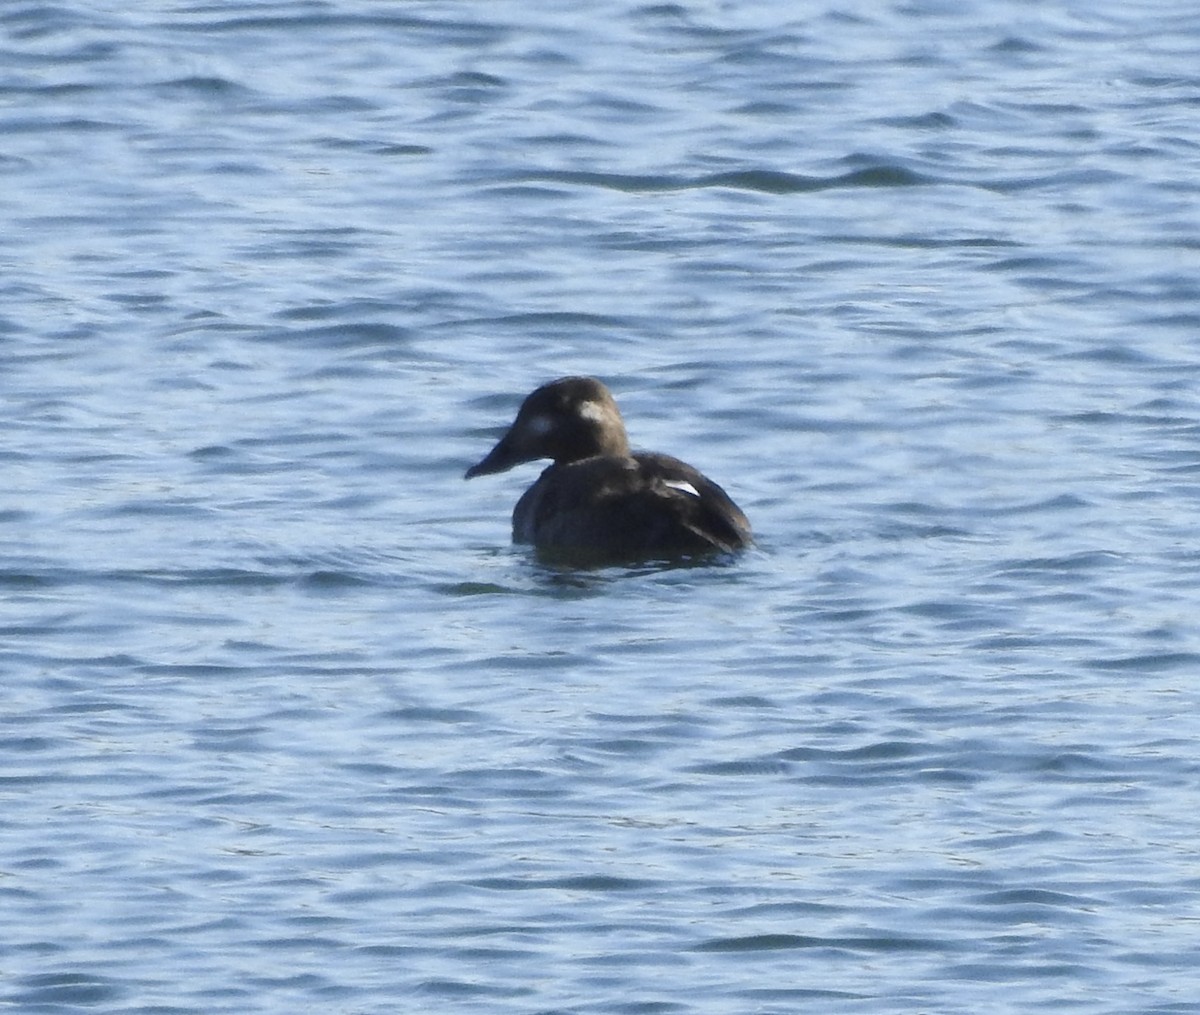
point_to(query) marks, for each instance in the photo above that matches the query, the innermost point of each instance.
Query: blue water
(288, 725)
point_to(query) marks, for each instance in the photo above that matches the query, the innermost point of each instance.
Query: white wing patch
(682, 485)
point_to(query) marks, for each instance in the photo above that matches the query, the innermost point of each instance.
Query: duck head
(566, 420)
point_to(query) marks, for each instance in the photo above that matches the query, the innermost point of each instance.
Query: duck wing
(705, 507)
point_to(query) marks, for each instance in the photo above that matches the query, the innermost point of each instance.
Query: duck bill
(500, 459)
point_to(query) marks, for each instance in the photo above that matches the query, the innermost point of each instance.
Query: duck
(598, 500)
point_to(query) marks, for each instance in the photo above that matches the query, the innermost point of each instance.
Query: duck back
(628, 507)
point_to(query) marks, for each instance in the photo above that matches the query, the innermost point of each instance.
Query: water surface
(289, 725)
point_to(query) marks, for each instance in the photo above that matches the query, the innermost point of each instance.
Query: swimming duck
(598, 499)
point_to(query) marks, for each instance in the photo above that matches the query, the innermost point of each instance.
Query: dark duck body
(599, 500)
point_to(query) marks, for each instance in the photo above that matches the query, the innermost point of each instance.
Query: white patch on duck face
(593, 411)
(538, 426)
(682, 485)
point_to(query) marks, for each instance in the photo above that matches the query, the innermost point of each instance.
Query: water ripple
(761, 180)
